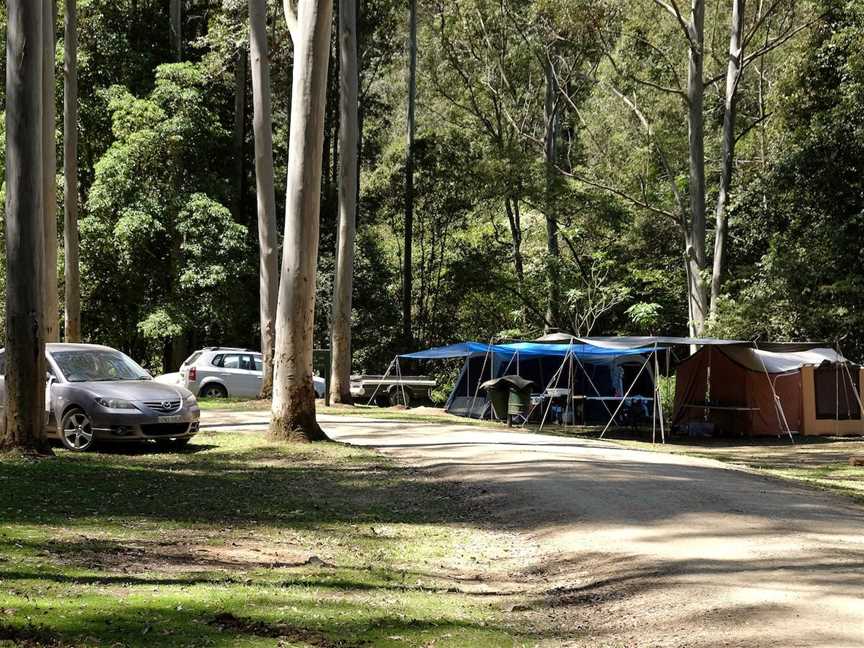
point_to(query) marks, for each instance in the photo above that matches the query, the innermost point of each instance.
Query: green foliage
(167, 267)
(798, 228)
(161, 255)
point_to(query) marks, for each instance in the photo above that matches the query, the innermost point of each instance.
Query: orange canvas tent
(740, 390)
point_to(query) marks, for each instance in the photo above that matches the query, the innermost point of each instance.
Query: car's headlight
(190, 399)
(115, 403)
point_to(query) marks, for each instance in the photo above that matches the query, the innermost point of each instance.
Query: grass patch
(236, 541)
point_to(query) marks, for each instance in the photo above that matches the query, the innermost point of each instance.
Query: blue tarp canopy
(524, 349)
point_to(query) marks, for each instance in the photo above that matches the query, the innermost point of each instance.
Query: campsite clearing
(822, 462)
(236, 541)
(649, 548)
(643, 548)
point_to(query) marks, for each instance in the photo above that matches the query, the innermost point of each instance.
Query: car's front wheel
(76, 430)
(213, 390)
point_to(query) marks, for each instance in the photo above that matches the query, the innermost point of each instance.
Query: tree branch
(672, 8)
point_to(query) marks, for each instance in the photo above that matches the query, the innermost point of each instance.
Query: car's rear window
(192, 359)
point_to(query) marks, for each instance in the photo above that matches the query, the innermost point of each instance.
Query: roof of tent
(771, 362)
(649, 342)
(524, 349)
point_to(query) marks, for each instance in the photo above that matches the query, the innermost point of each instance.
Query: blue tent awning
(460, 350)
(524, 349)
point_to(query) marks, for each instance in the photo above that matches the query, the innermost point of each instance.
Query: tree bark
(176, 15)
(514, 218)
(550, 152)
(239, 130)
(25, 228)
(733, 72)
(49, 177)
(72, 273)
(293, 394)
(696, 255)
(407, 256)
(340, 370)
(268, 239)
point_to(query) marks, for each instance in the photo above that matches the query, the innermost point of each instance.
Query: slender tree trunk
(49, 177)
(552, 252)
(407, 258)
(25, 226)
(239, 130)
(176, 16)
(511, 206)
(695, 95)
(293, 394)
(733, 72)
(72, 272)
(268, 239)
(340, 370)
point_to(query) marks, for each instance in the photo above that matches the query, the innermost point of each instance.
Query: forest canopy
(555, 180)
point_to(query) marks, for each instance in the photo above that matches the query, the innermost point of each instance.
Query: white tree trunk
(550, 152)
(293, 394)
(268, 238)
(408, 238)
(696, 255)
(25, 227)
(733, 72)
(340, 369)
(49, 177)
(72, 272)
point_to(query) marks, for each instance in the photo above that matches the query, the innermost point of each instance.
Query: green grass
(236, 541)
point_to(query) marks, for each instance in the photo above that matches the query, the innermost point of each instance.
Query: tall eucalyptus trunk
(268, 238)
(49, 173)
(24, 412)
(72, 272)
(733, 74)
(340, 369)
(293, 409)
(696, 254)
(408, 243)
(553, 254)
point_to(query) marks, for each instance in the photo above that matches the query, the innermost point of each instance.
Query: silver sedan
(96, 393)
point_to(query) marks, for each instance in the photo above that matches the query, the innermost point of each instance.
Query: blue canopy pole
(482, 369)
(627, 393)
(384, 377)
(557, 379)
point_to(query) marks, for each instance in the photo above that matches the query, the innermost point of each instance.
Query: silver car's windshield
(97, 365)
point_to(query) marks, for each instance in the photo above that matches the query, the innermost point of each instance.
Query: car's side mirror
(50, 378)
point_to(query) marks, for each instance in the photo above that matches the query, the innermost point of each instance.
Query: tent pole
(504, 373)
(593, 386)
(624, 398)
(659, 398)
(482, 369)
(654, 409)
(778, 407)
(401, 383)
(557, 378)
(384, 377)
(852, 384)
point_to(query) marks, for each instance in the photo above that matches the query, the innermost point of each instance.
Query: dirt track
(649, 549)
